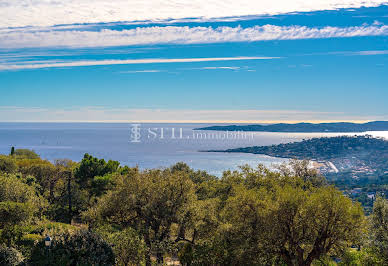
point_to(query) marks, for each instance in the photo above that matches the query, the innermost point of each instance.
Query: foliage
(14, 213)
(101, 184)
(366, 257)
(151, 202)
(91, 167)
(252, 216)
(10, 256)
(7, 164)
(128, 246)
(13, 189)
(379, 228)
(25, 154)
(82, 247)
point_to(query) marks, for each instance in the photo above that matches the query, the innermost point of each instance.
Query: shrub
(10, 256)
(26, 154)
(82, 247)
(129, 247)
(7, 164)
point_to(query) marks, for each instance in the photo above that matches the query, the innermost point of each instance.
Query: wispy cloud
(19, 13)
(102, 114)
(179, 35)
(44, 64)
(222, 67)
(214, 68)
(350, 53)
(377, 52)
(142, 71)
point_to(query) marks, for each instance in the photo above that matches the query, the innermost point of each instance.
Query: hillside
(358, 156)
(305, 127)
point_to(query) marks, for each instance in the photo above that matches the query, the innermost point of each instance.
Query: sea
(149, 145)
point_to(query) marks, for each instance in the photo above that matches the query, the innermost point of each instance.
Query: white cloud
(178, 35)
(53, 64)
(214, 68)
(19, 13)
(378, 52)
(102, 114)
(142, 71)
(222, 67)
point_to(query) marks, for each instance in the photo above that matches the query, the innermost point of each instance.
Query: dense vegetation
(326, 148)
(100, 213)
(362, 162)
(346, 152)
(306, 127)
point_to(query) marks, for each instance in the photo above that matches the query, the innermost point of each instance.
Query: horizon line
(196, 121)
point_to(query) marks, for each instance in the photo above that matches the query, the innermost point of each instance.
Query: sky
(193, 61)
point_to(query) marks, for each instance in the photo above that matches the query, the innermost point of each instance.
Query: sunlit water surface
(154, 149)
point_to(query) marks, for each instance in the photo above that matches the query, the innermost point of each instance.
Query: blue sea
(146, 145)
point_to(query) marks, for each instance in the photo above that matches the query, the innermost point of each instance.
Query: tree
(379, 227)
(243, 219)
(302, 170)
(82, 247)
(10, 256)
(12, 153)
(271, 217)
(302, 226)
(7, 164)
(13, 189)
(128, 246)
(91, 167)
(19, 203)
(26, 154)
(150, 202)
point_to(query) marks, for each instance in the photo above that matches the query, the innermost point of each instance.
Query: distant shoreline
(342, 127)
(353, 157)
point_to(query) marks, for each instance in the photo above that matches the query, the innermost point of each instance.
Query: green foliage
(7, 164)
(10, 256)
(150, 201)
(25, 154)
(19, 204)
(306, 225)
(91, 167)
(379, 228)
(82, 247)
(102, 184)
(13, 189)
(128, 246)
(365, 257)
(276, 217)
(12, 213)
(253, 216)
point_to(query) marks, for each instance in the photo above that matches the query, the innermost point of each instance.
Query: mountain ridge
(305, 127)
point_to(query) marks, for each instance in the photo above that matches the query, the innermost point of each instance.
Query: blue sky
(321, 61)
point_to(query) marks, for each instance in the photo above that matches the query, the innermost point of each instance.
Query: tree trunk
(69, 194)
(148, 244)
(159, 257)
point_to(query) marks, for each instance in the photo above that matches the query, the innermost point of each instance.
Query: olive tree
(151, 202)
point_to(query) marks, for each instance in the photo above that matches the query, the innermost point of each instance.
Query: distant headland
(305, 127)
(347, 156)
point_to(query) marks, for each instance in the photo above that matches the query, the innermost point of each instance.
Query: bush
(10, 256)
(129, 247)
(365, 257)
(7, 164)
(26, 154)
(82, 247)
